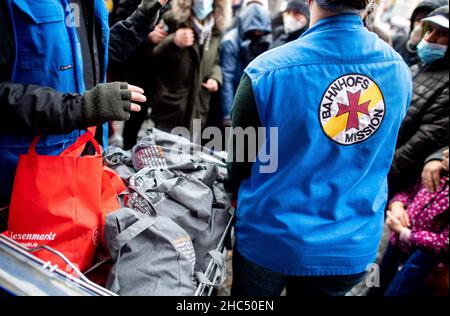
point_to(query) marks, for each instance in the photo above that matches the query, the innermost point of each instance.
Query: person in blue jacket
(310, 219)
(241, 45)
(54, 55)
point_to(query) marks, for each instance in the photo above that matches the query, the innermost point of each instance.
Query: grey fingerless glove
(106, 102)
(150, 10)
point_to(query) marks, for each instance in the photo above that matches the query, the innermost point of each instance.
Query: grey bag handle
(131, 232)
(219, 260)
(121, 240)
(145, 197)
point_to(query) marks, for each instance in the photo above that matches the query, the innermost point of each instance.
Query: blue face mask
(430, 52)
(202, 8)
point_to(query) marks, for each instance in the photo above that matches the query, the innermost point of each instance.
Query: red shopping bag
(57, 202)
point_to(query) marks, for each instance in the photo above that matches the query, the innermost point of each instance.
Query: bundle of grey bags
(175, 214)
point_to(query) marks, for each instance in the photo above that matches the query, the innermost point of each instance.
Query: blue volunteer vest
(337, 96)
(48, 54)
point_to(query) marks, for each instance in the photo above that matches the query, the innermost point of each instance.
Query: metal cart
(22, 274)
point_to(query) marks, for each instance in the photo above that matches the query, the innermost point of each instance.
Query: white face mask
(202, 8)
(292, 25)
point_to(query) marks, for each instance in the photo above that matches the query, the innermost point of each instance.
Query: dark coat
(138, 70)
(426, 126)
(179, 97)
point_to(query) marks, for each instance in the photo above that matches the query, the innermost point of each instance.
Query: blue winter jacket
(237, 51)
(48, 54)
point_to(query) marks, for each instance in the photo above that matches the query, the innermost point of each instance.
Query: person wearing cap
(426, 126)
(406, 45)
(311, 218)
(251, 37)
(295, 21)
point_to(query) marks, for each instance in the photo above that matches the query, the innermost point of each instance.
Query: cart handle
(60, 255)
(219, 260)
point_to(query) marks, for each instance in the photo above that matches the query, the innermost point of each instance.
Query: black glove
(106, 102)
(150, 10)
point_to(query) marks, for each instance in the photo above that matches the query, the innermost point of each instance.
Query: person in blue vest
(310, 218)
(241, 45)
(53, 60)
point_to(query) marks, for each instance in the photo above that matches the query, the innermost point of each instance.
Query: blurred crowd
(190, 66)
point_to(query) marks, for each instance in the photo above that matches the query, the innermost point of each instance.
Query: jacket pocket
(43, 41)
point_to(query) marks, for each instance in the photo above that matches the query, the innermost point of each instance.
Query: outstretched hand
(137, 95)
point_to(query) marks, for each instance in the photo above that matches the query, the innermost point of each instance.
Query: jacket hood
(264, 3)
(222, 12)
(426, 6)
(254, 17)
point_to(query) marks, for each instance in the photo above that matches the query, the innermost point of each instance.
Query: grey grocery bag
(152, 256)
(171, 152)
(187, 201)
(161, 150)
(184, 199)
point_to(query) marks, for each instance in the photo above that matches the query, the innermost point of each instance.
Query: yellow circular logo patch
(352, 109)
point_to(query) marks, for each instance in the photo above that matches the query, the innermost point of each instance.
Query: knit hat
(298, 5)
